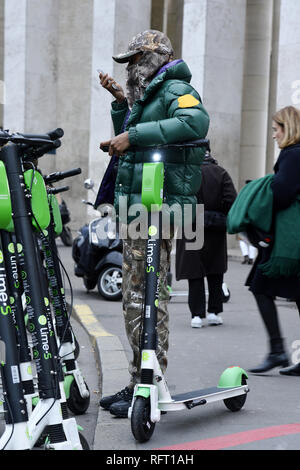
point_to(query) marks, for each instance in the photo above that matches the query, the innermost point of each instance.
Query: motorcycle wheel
(66, 236)
(110, 283)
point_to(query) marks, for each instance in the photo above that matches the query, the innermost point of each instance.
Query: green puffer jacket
(170, 111)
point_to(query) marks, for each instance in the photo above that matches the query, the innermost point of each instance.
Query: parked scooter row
(35, 335)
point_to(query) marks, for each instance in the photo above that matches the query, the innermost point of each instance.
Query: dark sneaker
(120, 408)
(106, 402)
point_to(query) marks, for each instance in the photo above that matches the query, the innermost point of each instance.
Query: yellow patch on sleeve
(187, 101)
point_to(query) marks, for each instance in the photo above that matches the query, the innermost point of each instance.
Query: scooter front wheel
(76, 403)
(236, 403)
(141, 425)
(66, 236)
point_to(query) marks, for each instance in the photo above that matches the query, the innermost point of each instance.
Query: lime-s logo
(1, 256)
(152, 230)
(42, 320)
(5, 310)
(149, 269)
(145, 356)
(35, 354)
(11, 247)
(47, 356)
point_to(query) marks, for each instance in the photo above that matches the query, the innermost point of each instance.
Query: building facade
(244, 56)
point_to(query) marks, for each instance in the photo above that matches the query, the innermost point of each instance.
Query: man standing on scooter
(160, 107)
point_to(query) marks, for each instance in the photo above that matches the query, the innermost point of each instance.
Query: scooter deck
(181, 397)
(201, 397)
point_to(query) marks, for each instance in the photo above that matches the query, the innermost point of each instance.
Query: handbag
(259, 238)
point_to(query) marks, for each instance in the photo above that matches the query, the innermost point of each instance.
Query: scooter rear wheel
(141, 425)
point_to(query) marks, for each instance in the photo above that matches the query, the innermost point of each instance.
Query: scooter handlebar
(42, 150)
(178, 145)
(30, 140)
(62, 189)
(51, 135)
(60, 175)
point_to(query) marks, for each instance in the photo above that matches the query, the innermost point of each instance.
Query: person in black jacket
(286, 188)
(217, 193)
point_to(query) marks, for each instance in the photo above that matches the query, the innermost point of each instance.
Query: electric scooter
(27, 209)
(76, 389)
(152, 397)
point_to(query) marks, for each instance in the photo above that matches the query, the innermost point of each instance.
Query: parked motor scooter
(97, 252)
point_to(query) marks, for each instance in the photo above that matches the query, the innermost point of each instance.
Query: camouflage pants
(133, 302)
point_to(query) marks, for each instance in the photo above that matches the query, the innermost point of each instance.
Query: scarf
(141, 74)
(254, 206)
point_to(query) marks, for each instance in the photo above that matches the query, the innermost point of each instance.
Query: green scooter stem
(55, 283)
(14, 402)
(15, 291)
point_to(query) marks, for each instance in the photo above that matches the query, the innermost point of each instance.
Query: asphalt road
(270, 418)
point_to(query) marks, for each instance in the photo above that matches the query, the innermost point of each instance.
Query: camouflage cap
(149, 40)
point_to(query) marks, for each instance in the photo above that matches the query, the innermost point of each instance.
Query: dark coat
(217, 193)
(286, 187)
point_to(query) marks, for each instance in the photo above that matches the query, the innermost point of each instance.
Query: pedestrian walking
(160, 107)
(249, 251)
(274, 205)
(217, 193)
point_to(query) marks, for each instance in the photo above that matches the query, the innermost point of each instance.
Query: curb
(113, 372)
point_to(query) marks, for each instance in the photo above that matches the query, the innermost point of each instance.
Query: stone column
(2, 84)
(256, 89)
(288, 90)
(194, 41)
(272, 149)
(109, 39)
(47, 75)
(213, 47)
(73, 94)
(15, 64)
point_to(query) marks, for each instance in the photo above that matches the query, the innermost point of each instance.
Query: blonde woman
(286, 188)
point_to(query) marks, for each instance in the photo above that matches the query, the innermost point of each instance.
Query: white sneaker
(213, 319)
(196, 322)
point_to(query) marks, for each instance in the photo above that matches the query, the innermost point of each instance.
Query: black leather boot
(277, 357)
(292, 370)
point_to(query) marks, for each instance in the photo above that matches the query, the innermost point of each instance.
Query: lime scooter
(152, 397)
(22, 430)
(76, 389)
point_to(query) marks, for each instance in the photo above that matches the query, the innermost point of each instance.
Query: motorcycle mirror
(89, 184)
